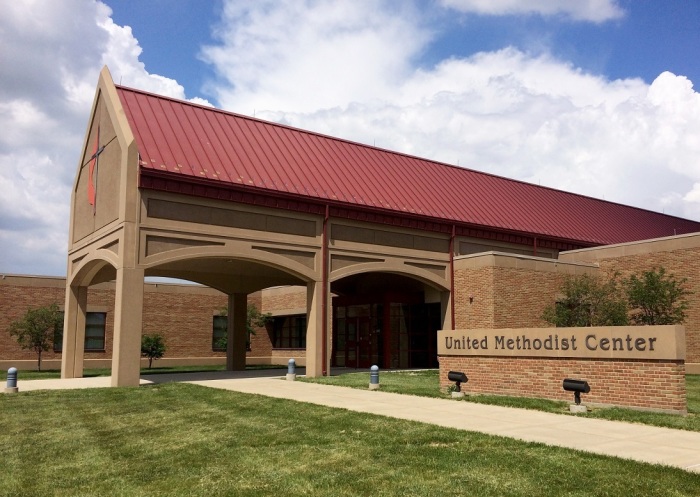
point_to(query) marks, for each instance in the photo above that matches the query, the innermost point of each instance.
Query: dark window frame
(289, 332)
(218, 331)
(95, 330)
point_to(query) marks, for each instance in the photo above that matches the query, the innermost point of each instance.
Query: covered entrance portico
(170, 188)
(129, 222)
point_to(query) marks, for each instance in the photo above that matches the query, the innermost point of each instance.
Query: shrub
(153, 347)
(656, 297)
(588, 301)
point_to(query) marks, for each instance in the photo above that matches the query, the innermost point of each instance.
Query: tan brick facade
(183, 314)
(492, 290)
(496, 290)
(680, 256)
(20, 293)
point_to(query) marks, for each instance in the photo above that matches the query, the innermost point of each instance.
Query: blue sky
(652, 36)
(595, 97)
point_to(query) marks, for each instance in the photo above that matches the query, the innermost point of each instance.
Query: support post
(446, 306)
(73, 349)
(237, 331)
(128, 323)
(314, 329)
(452, 281)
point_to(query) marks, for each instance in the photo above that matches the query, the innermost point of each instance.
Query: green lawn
(426, 383)
(180, 439)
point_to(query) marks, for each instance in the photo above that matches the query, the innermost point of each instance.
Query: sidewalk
(631, 441)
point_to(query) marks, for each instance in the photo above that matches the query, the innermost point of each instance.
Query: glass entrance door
(358, 342)
(354, 343)
(364, 343)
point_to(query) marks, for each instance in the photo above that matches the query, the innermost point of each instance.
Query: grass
(181, 439)
(426, 383)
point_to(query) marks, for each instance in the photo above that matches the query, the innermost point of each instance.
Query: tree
(153, 347)
(35, 330)
(254, 319)
(588, 301)
(657, 298)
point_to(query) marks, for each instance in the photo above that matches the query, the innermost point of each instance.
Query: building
(385, 248)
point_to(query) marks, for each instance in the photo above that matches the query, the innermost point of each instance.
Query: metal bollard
(374, 377)
(291, 370)
(11, 381)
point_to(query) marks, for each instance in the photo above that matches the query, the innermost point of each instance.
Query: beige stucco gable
(115, 175)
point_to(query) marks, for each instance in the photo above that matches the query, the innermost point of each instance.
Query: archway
(96, 268)
(389, 319)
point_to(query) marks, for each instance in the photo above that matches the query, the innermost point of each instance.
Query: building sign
(609, 342)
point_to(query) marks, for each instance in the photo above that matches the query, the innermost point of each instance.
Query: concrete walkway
(631, 441)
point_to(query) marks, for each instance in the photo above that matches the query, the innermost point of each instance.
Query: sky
(594, 97)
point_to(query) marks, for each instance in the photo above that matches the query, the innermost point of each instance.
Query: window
(95, 330)
(94, 333)
(289, 332)
(219, 338)
(220, 334)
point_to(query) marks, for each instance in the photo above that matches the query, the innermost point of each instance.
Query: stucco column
(74, 332)
(446, 310)
(237, 331)
(314, 329)
(128, 322)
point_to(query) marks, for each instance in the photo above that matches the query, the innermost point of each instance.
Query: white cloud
(311, 54)
(577, 10)
(534, 118)
(52, 53)
(121, 55)
(347, 69)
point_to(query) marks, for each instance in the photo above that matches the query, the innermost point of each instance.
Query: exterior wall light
(578, 387)
(458, 377)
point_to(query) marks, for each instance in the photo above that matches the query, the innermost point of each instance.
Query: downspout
(324, 300)
(534, 248)
(452, 275)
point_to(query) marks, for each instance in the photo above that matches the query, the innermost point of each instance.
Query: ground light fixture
(578, 387)
(458, 377)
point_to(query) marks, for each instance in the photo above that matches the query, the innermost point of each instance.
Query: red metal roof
(197, 143)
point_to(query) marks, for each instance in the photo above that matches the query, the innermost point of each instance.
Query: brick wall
(681, 263)
(14, 303)
(182, 314)
(521, 296)
(654, 385)
(508, 291)
(285, 299)
(678, 255)
(261, 340)
(185, 319)
(474, 298)
(17, 295)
